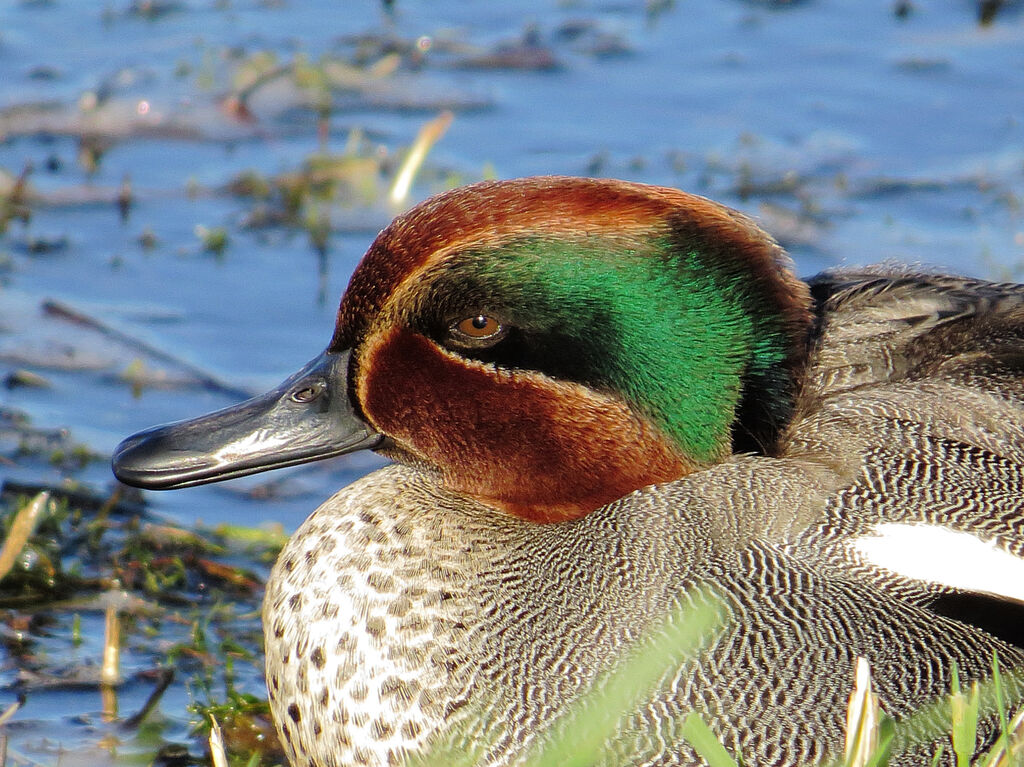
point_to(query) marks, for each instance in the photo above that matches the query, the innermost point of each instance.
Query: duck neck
(720, 372)
(763, 313)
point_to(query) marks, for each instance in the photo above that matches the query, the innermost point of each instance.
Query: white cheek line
(943, 556)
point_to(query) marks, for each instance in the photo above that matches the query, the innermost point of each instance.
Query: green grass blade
(705, 742)
(581, 734)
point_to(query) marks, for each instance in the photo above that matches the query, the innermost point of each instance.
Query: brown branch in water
(164, 681)
(209, 381)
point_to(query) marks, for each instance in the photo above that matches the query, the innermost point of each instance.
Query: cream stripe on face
(939, 555)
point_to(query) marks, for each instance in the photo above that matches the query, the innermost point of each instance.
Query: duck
(602, 398)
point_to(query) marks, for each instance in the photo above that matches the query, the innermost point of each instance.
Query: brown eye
(478, 331)
(479, 327)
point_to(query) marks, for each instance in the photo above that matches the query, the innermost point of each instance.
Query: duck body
(605, 398)
(398, 612)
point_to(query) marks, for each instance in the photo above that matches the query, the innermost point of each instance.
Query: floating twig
(82, 499)
(10, 711)
(209, 381)
(166, 677)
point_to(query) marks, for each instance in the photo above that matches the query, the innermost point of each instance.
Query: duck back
(915, 396)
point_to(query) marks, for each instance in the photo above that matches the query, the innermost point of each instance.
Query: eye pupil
(480, 322)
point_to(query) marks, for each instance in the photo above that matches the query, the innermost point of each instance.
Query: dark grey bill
(306, 418)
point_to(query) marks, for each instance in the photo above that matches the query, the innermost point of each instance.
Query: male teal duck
(600, 395)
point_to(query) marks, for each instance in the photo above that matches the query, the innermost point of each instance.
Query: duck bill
(306, 418)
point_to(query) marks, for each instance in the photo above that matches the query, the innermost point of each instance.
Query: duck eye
(477, 329)
(479, 326)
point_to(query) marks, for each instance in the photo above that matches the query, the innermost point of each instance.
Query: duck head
(544, 345)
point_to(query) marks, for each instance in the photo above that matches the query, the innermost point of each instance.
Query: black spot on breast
(317, 657)
(293, 712)
(347, 642)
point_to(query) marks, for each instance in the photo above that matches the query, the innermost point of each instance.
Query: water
(855, 135)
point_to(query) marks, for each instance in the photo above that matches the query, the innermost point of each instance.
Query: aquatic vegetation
(183, 602)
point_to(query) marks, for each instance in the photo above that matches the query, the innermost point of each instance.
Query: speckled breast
(366, 630)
